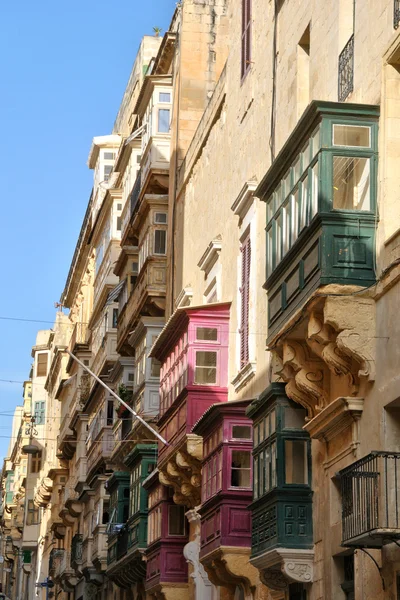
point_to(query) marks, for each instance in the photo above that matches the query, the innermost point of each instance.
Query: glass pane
(273, 421)
(296, 462)
(273, 465)
(278, 239)
(163, 120)
(287, 184)
(160, 241)
(314, 191)
(256, 435)
(352, 135)
(206, 333)
(295, 418)
(296, 170)
(304, 203)
(351, 183)
(286, 228)
(278, 194)
(165, 97)
(269, 252)
(261, 431)
(155, 367)
(267, 469)
(240, 468)
(316, 144)
(262, 477)
(206, 367)
(295, 215)
(176, 520)
(255, 482)
(242, 432)
(270, 209)
(306, 156)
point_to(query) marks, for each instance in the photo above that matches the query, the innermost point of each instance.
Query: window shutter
(246, 36)
(245, 302)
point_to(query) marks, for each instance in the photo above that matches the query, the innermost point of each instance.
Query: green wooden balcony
(282, 497)
(320, 195)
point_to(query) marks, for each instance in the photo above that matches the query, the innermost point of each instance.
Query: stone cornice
(211, 254)
(337, 416)
(245, 199)
(244, 376)
(184, 297)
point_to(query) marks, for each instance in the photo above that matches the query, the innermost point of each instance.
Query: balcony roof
(232, 408)
(150, 82)
(101, 141)
(178, 322)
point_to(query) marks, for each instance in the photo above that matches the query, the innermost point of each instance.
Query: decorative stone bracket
(182, 471)
(280, 567)
(230, 568)
(335, 339)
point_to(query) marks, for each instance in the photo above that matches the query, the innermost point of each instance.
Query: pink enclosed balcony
(193, 351)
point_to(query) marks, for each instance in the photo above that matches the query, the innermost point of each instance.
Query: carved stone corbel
(282, 566)
(230, 568)
(183, 472)
(306, 376)
(353, 319)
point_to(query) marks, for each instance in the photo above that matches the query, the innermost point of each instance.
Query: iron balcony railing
(346, 70)
(371, 500)
(77, 548)
(396, 14)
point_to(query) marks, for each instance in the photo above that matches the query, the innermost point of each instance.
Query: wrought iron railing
(371, 500)
(396, 14)
(346, 70)
(76, 548)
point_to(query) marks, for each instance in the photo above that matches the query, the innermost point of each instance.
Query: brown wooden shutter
(245, 302)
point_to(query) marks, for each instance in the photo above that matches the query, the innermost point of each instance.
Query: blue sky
(63, 69)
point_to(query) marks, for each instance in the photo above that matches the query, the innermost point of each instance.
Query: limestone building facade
(235, 283)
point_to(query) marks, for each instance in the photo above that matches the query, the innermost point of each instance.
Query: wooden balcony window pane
(304, 204)
(316, 142)
(296, 469)
(351, 183)
(269, 252)
(286, 228)
(155, 368)
(273, 465)
(255, 477)
(261, 478)
(240, 469)
(295, 418)
(206, 368)
(356, 136)
(241, 432)
(314, 191)
(272, 422)
(208, 334)
(176, 520)
(278, 239)
(163, 120)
